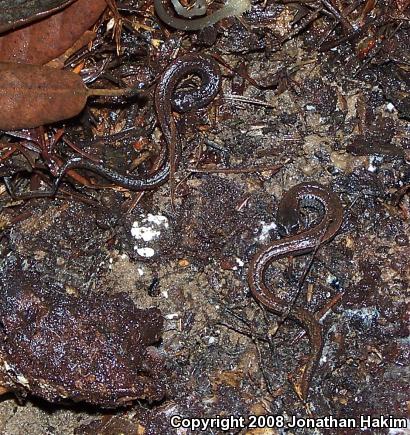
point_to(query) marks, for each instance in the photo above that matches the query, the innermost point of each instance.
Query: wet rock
(60, 346)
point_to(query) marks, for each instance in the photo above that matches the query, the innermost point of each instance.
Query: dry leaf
(34, 95)
(44, 40)
(16, 13)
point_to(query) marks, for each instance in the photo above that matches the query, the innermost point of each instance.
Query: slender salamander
(167, 98)
(288, 217)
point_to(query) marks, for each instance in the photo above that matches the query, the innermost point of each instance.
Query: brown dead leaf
(16, 13)
(34, 95)
(44, 40)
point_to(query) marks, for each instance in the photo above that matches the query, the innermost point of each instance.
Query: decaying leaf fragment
(48, 38)
(34, 95)
(16, 13)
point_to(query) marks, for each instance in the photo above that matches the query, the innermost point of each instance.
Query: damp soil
(117, 314)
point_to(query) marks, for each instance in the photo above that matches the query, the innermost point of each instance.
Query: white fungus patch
(145, 233)
(147, 229)
(145, 252)
(157, 219)
(266, 227)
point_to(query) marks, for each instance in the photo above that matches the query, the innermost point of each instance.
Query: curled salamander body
(167, 98)
(331, 210)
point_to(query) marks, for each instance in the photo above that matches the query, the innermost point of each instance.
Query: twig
(285, 315)
(320, 314)
(243, 99)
